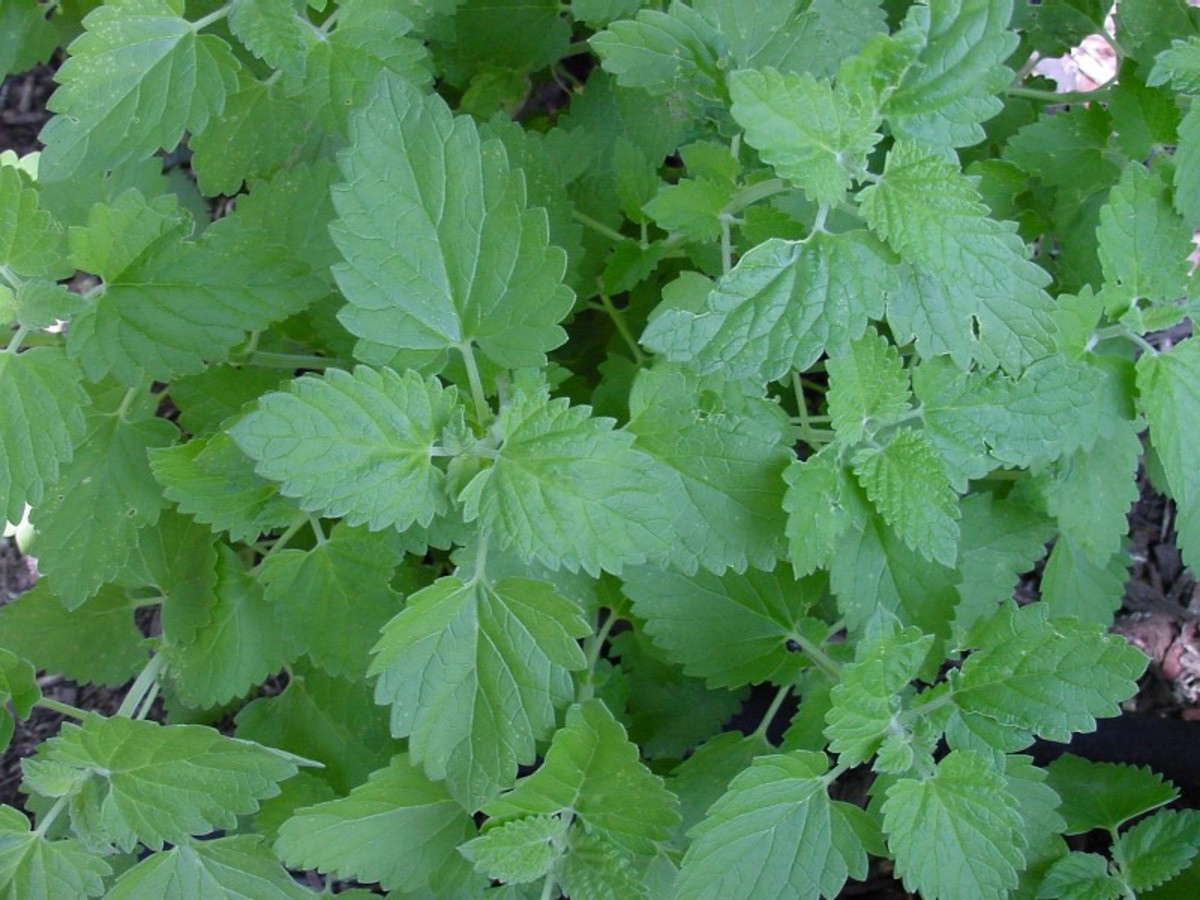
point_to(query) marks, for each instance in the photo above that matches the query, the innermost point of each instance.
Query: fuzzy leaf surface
(593, 769)
(956, 833)
(568, 490)
(157, 783)
(135, 80)
(358, 445)
(33, 868)
(399, 828)
(30, 238)
(1051, 676)
(238, 867)
(519, 851)
(1158, 848)
(440, 249)
(868, 388)
(775, 834)
(1105, 795)
(474, 672)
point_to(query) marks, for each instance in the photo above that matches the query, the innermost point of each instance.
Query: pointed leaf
(134, 81)
(33, 868)
(356, 445)
(41, 421)
(1052, 676)
(474, 673)
(440, 250)
(239, 867)
(399, 828)
(660, 51)
(817, 516)
(868, 388)
(592, 769)
(775, 834)
(30, 238)
(271, 30)
(158, 783)
(519, 851)
(1105, 795)
(956, 833)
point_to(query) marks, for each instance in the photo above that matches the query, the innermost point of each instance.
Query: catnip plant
(443, 415)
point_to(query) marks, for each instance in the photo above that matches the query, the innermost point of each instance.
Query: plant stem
(15, 342)
(760, 733)
(588, 688)
(59, 707)
(618, 320)
(51, 815)
(215, 16)
(598, 226)
(1100, 93)
(752, 193)
(142, 685)
(477, 395)
(266, 360)
(820, 658)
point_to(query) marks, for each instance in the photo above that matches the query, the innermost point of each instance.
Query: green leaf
(235, 650)
(816, 136)
(359, 445)
(209, 480)
(41, 421)
(783, 305)
(330, 720)
(950, 89)
(868, 388)
(866, 701)
(518, 852)
(1051, 676)
(235, 147)
(692, 207)
(30, 238)
(29, 37)
(134, 82)
(186, 303)
(568, 490)
(992, 295)
(600, 12)
(660, 52)
(1081, 876)
(331, 601)
(775, 834)
(33, 868)
(1073, 585)
(1179, 65)
(1169, 385)
(108, 481)
(154, 783)
(592, 769)
(701, 779)
(474, 672)
(179, 558)
(19, 687)
(398, 829)
(452, 256)
(1158, 848)
(907, 482)
(597, 868)
(1143, 242)
(1051, 410)
(723, 464)
(732, 629)
(239, 867)
(817, 516)
(271, 30)
(117, 233)
(96, 642)
(957, 833)
(1105, 795)
(1092, 491)
(1187, 161)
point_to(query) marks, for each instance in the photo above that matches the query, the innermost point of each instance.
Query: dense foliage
(528, 381)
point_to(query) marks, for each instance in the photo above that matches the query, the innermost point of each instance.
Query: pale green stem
(726, 243)
(598, 226)
(760, 733)
(477, 395)
(318, 531)
(215, 16)
(618, 320)
(147, 702)
(15, 342)
(65, 709)
(753, 193)
(1100, 93)
(820, 658)
(268, 360)
(126, 403)
(142, 685)
(51, 814)
(587, 689)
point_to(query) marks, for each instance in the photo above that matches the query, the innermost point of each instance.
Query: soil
(1161, 612)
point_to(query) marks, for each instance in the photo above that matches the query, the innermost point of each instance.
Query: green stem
(726, 243)
(587, 689)
(266, 360)
(1100, 93)
(760, 733)
(318, 531)
(549, 886)
(126, 403)
(14, 343)
(215, 16)
(618, 320)
(142, 685)
(482, 409)
(597, 226)
(51, 814)
(282, 541)
(147, 703)
(820, 658)
(65, 709)
(753, 193)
